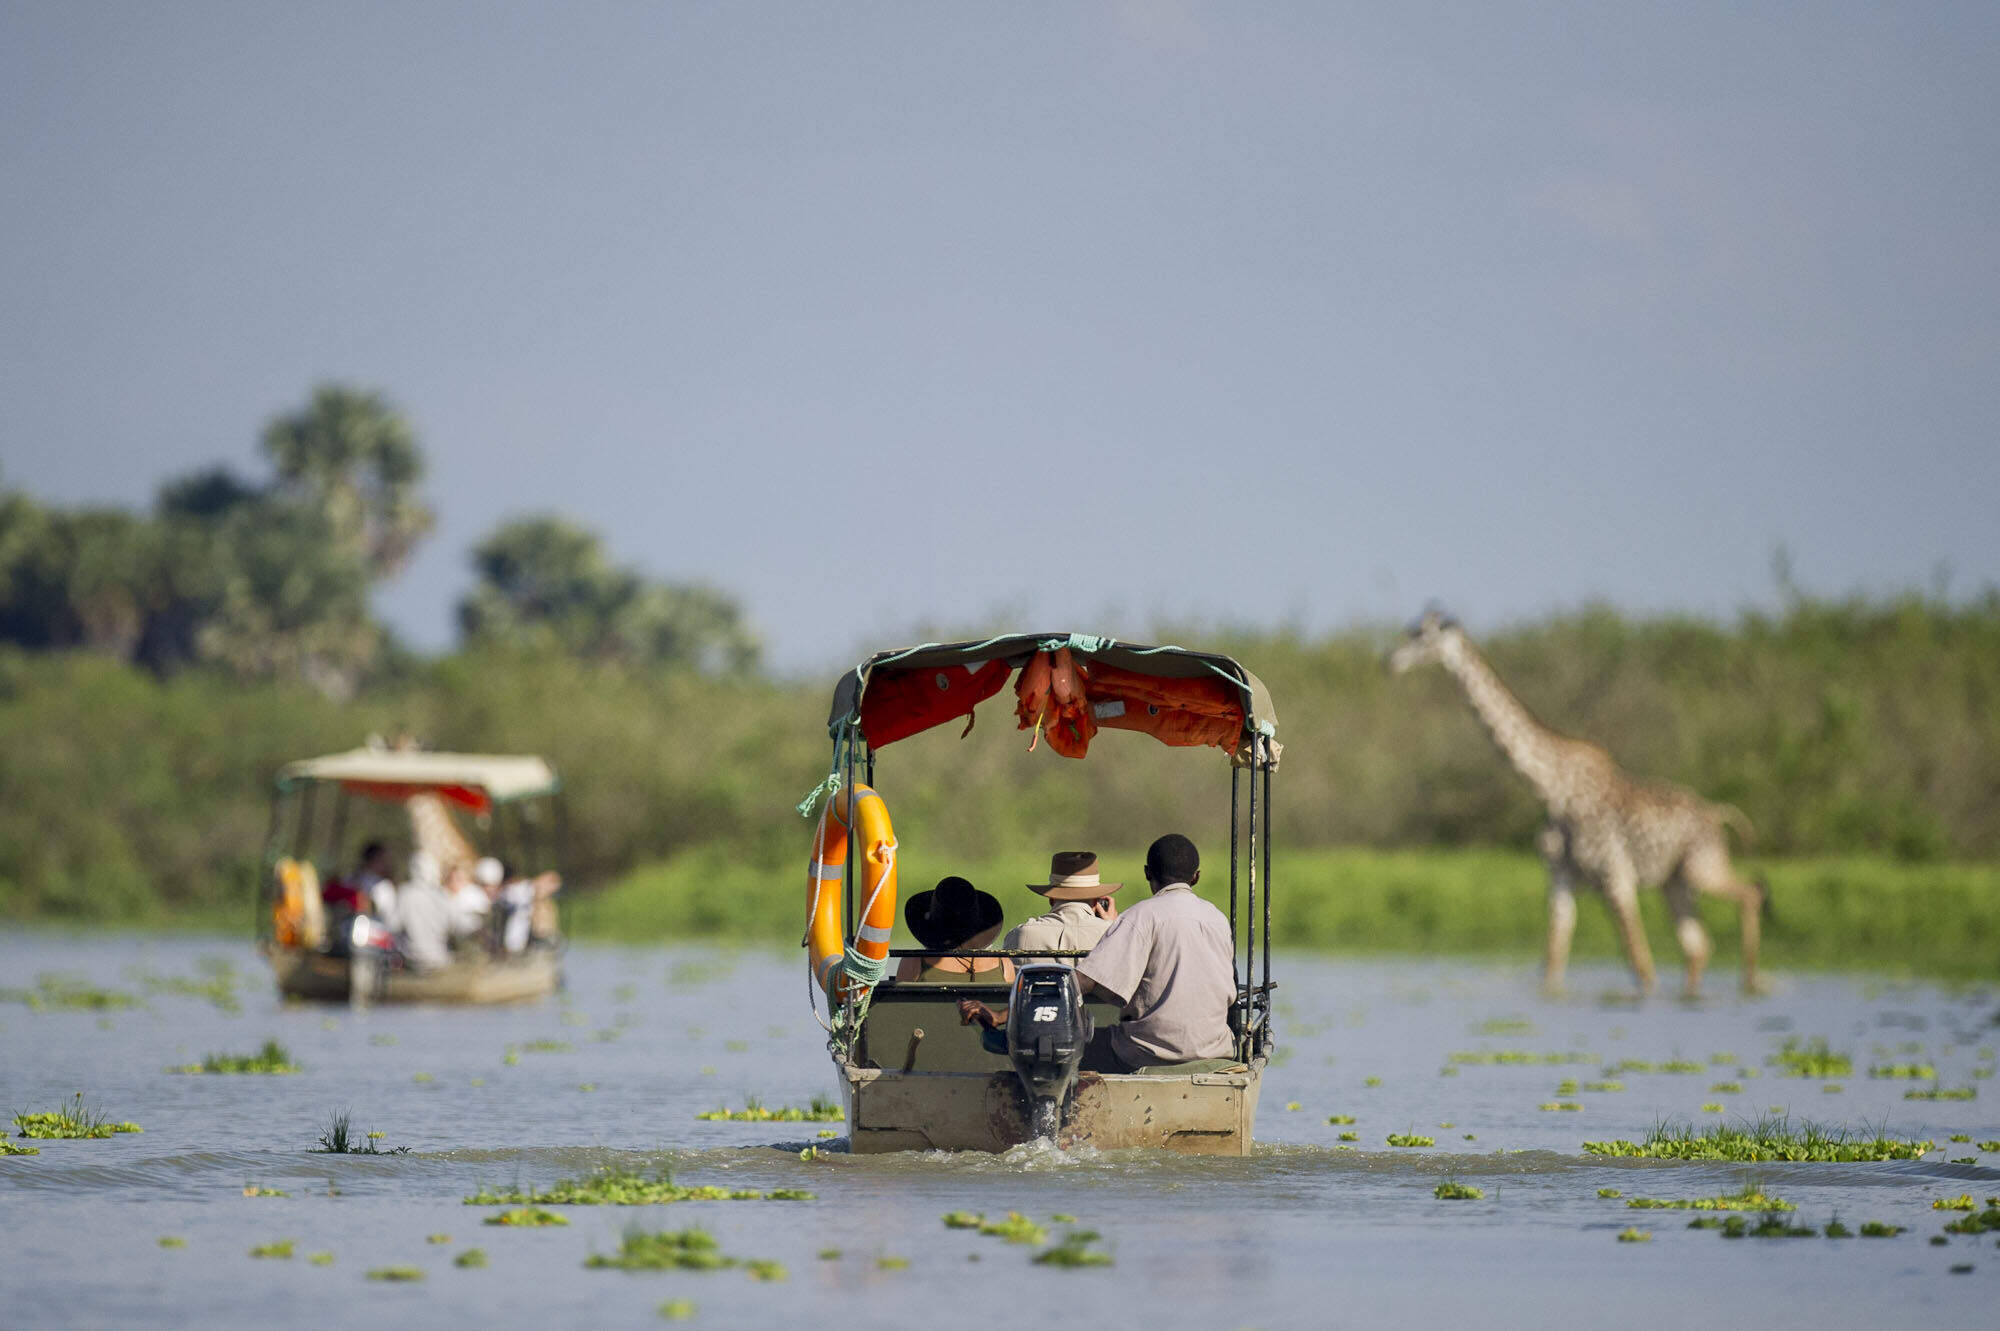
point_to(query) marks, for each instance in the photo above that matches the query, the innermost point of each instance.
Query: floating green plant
(614, 1187)
(1410, 1139)
(1991, 1148)
(74, 1121)
(273, 1060)
(1943, 1093)
(470, 1258)
(527, 1217)
(1560, 1107)
(1960, 1137)
(338, 1139)
(1515, 1057)
(1632, 1235)
(1602, 1087)
(321, 1259)
(1293, 1106)
(66, 993)
(1350, 1136)
(1768, 1226)
(396, 1273)
(548, 1047)
(172, 1241)
(1567, 1086)
(1611, 1192)
(963, 1220)
(1726, 1088)
(1962, 1202)
(437, 1238)
(259, 1190)
(1978, 1222)
(421, 1077)
(1836, 1230)
(1074, 1250)
(276, 1248)
(1340, 1118)
(667, 1250)
(825, 1133)
(1711, 1108)
(1504, 1026)
(1903, 1072)
(821, 1110)
(763, 1268)
(1062, 1218)
(1371, 1081)
(1772, 1138)
(1876, 1229)
(677, 1310)
(9, 1148)
(1451, 1191)
(1814, 1059)
(1832, 1088)
(1016, 1228)
(829, 1254)
(1752, 1198)
(891, 1262)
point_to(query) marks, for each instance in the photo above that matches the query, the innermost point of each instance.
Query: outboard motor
(1047, 1029)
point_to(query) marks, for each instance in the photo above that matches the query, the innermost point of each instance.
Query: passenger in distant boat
(527, 907)
(368, 891)
(1168, 962)
(470, 905)
(955, 916)
(425, 913)
(1083, 908)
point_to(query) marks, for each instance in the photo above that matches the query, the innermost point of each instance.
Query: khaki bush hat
(1073, 877)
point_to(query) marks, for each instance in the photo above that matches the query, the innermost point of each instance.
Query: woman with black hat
(955, 916)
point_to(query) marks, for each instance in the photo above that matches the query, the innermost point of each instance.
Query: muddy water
(1304, 1233)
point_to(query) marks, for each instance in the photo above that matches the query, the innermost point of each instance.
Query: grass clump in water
(1016, 1228)
(1633, 1235)
(1340, 1118)
(1726, 1088)
(275, 1248)
(1611, 1192)
(763, 1268)
(396, 1273)
(1943, 1093)
(338, 1139)
(1074, 1250)
(272, 1060)
(615, 1187)
(666, 1250)
(821, 1110)
(321, 1259)
(1813, 1059)
(1560, 1107)
(1752, 1198)
(1350, 1136)
(1452, 1191)
(1876, 1229)
(1978, 1222)
(1771, 1138)
(1770, 1225)
(172, 1241)
(1601, 1087)
(527, 1217)
(72, 1122)
(66, 993)
(471, 1258)
(1410, 1139)
(1903, 1072)
(677, 1310)
(259, 1190)
(963, 1220)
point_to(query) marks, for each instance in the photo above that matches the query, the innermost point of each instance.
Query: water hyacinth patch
(677, 1310)
(1773, 1138)
(963, 1220)
(9, 1148)
(471, 1258)
(1350, 1136)
(1876, 1229)
(1560, 1107)
(321, 1259)
(1340, 1118)
(273, 1060)
(1514, 1057)
(1679, 1067)
(1611, 1192)
(1073, 1250)
(1813, 1060)
(1943, 1093)
(396, 1273)
(1991, 1148)
(66, 993)
(1769, 1226)
(821, 1110)
(527, 1217)
(1979, 1222)
(891, 1262)
(762, 1268)
(258, 1190)
(1410, 1139)
(615, 1187)
(1726, 1088)
(1711, 1108)
(1631, 1235)
(1016, 1228)
(1752, 1198)
(1601, 1087)
(276, 1248)
(667, 1250)
(172, 1241)
(72, 1122)
(1451, 1191)
(1962, 1202)
(1903, 1072)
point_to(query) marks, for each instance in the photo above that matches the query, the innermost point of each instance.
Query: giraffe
(1606, 830)
(438, 832)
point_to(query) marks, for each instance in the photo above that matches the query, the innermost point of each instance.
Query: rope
(830, 786)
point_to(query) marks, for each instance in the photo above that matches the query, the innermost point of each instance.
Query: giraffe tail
(1732, 816)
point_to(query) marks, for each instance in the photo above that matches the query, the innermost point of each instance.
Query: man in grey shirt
(1168, 962)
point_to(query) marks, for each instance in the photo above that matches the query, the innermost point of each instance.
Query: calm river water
(1308, 1232)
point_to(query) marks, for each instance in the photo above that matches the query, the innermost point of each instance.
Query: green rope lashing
(827, 788)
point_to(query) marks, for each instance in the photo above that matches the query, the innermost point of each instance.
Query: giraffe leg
(1562, 923)
(1621, 891)
(1709, 870)
(1695, 948)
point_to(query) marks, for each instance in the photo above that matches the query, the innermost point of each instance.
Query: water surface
(1303, 1233)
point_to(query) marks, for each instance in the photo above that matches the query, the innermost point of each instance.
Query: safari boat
(912, 1076)
(322, 805)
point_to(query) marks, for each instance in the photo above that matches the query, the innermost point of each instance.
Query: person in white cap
(1083, 908)
(425, 913)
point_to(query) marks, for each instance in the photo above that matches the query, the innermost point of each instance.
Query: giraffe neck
(1532, 748)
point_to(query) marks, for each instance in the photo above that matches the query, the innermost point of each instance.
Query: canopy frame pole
(1250, 864)
(1235, 859)
(274, 834)
(302, 834)
(1267, 766)
(339, 837)
(846, 756)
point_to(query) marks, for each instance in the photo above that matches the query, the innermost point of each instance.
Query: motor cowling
(1047, 1029)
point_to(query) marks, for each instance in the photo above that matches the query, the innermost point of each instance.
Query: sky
(1080, 316)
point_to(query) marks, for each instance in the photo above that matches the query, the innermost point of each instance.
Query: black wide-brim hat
(951, 913)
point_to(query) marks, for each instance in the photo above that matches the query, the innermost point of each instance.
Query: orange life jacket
(901, 703)
(1179, 712)
(1053, 699)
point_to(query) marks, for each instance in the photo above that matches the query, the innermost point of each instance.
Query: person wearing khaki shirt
(1083, 908)
(1168, 962)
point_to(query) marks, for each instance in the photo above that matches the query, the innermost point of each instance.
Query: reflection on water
(1311, 1230)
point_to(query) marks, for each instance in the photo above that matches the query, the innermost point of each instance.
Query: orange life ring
(826, 874)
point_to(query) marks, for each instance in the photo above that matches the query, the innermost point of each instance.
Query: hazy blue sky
(1096, 313)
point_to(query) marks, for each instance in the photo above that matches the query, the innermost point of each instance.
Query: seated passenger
(470, 906)
(425, 913)
(1083, 909)
(955, 916)
(356, 894)
(527, 906)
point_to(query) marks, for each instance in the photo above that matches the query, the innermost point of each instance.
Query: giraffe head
(1430, 638)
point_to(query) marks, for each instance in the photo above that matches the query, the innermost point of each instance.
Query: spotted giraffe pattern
(1607, 830)
(436, 831)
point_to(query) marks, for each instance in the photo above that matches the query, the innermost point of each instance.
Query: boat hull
(1203, 1113)
(316, 977)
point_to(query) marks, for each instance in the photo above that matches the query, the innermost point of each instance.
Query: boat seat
(900, 1007)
